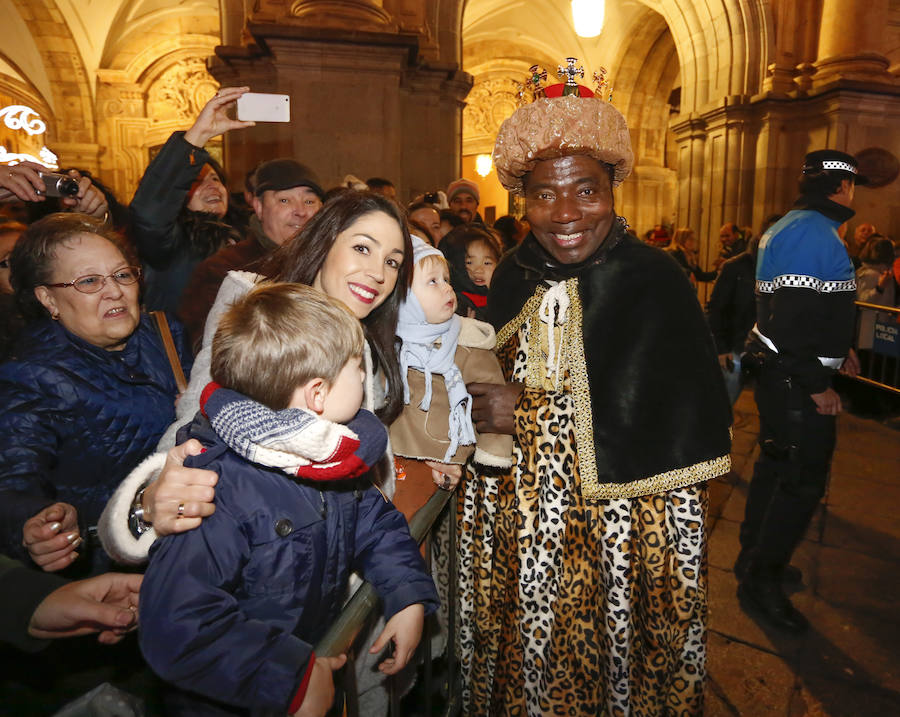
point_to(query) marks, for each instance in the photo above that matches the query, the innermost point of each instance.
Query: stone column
(851, 39)
(362, 101)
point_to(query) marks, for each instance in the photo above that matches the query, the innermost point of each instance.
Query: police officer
(805, 293)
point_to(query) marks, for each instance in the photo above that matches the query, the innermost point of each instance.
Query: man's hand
(106, 604)
(828, 403)
(850, 367)
(22, 182)
(320, 690)
(52, 536)
(180, 486)
(405, 629)
(493, 405)
(213, 119)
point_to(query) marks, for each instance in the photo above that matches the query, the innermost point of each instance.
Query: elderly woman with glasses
(87, 395)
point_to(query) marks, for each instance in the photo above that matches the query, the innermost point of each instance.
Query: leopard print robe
(570, 606)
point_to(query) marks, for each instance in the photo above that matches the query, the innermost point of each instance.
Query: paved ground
(848, 664)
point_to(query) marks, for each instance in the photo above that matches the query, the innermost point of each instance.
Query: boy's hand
(320, 690)
(405, 629)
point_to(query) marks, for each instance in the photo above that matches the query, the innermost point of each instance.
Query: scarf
(421, 351)
(294, 440)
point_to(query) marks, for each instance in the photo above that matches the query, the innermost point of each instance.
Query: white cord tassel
(554, 307)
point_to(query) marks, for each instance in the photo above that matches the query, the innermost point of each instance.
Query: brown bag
(165, 334)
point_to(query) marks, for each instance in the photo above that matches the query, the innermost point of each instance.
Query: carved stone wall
(141, 106)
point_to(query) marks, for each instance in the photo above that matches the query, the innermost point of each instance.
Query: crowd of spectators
(89, 382)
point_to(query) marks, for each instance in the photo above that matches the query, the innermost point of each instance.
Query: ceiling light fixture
(587, 17)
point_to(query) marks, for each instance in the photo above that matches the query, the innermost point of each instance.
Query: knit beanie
(462, 186)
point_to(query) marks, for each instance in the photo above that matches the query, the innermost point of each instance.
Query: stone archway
(75, 138)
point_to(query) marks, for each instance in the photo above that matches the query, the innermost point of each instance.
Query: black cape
(658, 398)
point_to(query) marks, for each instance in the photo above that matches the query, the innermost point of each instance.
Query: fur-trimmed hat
(558, 127)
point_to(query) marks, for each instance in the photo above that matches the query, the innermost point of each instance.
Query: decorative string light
(587, 17)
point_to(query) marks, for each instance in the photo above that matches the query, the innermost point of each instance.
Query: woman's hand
(89, 199)
(106, 604)
(51, 537)
(493, 406)
(181, 497)
(22, 181)
(445, 475)
(405, 629)
(213, 119)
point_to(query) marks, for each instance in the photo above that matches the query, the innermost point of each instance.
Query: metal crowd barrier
(878, 345)
(364, 607)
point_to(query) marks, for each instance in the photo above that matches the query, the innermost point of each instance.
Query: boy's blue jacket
(232, 609)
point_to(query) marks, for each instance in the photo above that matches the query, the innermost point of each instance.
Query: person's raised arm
(22, 182)
(213, 119)
(168, 178)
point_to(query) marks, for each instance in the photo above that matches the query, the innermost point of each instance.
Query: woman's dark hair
(823, 183)
(486, 236)
(508, 227)
(301, 259)
(878, 249)
(31, 261)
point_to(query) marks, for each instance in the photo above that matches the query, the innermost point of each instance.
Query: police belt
(827, 361)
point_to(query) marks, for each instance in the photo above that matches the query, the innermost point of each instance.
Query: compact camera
(59, 185)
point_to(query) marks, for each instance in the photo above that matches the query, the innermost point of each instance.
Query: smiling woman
(87, 396)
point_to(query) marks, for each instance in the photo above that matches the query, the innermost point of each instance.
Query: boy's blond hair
(280, 336)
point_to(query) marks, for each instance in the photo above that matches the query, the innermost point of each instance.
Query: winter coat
(424, 434)
(806, 292)
(77, 419)
(200, 292)
(21, 591)
(731, 309)
(162, 238)
(232, 609)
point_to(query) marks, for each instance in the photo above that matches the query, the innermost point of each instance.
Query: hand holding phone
(213, 119)
(264, 107)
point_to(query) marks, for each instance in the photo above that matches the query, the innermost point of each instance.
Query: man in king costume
(584, 571)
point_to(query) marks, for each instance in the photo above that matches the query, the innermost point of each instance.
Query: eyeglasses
(92, 283)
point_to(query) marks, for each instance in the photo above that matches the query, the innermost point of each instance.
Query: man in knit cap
(583, 571)
(463, 198)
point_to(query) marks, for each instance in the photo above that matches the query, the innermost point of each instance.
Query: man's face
(285, 212)
(569, 204)
(728, 235)
(464, 205)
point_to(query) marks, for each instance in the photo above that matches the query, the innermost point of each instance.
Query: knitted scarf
(421, 352)
(294, 440)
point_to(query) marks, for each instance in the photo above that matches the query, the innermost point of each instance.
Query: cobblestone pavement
(848, 664)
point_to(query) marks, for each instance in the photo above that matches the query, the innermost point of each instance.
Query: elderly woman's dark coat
(76, 419)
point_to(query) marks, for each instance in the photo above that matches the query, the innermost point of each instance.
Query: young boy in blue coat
(229, 612)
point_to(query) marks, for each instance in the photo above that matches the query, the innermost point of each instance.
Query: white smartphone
(262, 107)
